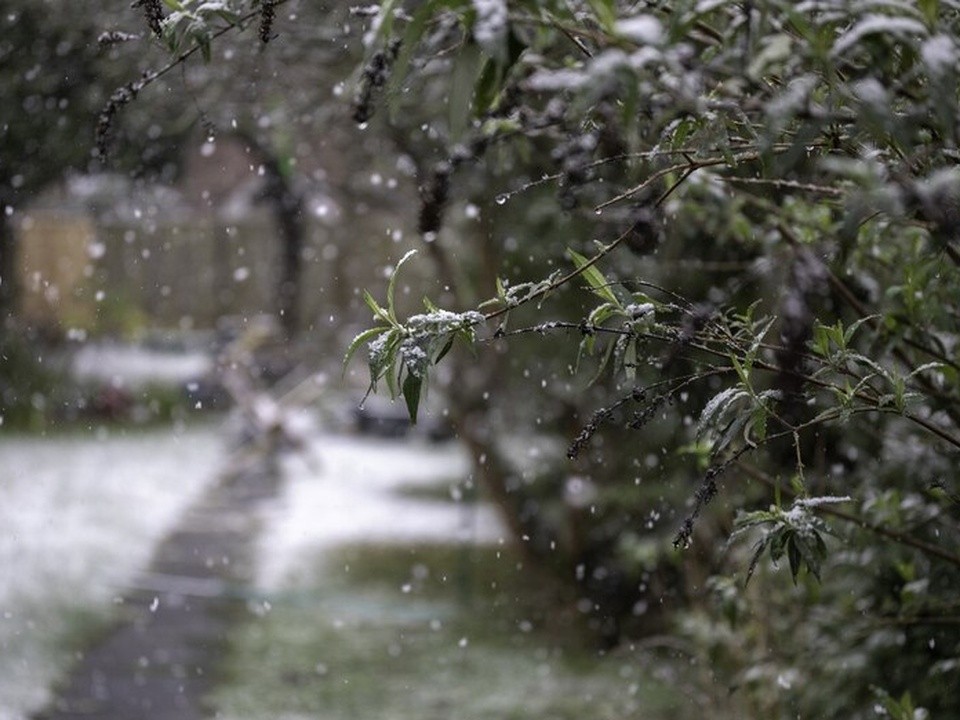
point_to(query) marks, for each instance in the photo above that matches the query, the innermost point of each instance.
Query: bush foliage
(737, 225)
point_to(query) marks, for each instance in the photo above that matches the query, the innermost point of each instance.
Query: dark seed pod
(805, 284)
(120, 97)
(374, 76)
(433, 198)
(268, 9)
(153, 11)
(645, 231)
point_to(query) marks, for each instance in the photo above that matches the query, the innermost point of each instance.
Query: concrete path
(161, 658)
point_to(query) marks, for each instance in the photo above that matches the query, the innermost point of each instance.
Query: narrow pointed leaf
(361, 338)
(391, 286)
(595, 279)
(412, 386)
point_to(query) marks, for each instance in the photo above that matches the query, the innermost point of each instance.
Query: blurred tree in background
(49, 109)
(706, 256)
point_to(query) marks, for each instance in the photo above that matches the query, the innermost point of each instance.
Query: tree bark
(287, 207)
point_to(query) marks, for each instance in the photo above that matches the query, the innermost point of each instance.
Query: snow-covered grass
(79, 516)
(345, 489)
(378, 602)
(81, 513)
(382, 604)
(408, 631)
(133, 366)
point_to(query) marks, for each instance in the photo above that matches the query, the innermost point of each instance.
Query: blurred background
(181, 275)
(200, 516)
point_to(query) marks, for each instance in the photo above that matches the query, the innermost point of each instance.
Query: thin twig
(563, 280)
(788, 184)
(690, 165)
(574, 39)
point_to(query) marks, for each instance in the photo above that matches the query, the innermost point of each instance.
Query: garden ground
(348, 587)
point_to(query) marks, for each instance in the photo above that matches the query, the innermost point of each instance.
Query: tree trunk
(287, 207)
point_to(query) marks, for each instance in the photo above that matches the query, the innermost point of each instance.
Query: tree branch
(898, 537)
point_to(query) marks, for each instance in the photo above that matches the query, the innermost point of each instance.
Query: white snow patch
(78, 518)
(939, 54)
(490, 27)
(642, 29)
(351, 498)
(132, 366)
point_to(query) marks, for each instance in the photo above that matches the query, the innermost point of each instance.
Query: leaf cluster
(796, 533)
(193, 23)
(401, 353)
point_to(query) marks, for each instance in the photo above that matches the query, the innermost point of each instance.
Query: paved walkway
(161, 658)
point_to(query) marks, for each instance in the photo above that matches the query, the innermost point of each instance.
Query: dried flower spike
(268, 10)
(153, 11)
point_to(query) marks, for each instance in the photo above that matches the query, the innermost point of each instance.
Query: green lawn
(430, 632)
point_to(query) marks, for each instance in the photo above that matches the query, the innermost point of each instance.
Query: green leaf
(852, 329)
(718, 406)
(927, 366)
(391, 286)
(444, 350)
(600, 314)
(590, 340)
(595, 279)
(755, 559)
(778, 542)
(390, 374)
(463, 80)
(411, 39)
(412, 385)
(930, 10)
(742, 372)
(736, 427)
(357, 341)
(758, 423)
(606, 13)
(377, 310)
(757, 341)
(793, 554)
(494, 72)
(488, 86)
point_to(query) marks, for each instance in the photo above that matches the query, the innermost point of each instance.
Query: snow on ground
(79, 516)
(343, 490)
(133, 366)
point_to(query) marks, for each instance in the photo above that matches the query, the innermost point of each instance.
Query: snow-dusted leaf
(718, 405)
(940, 55)
(901, 27)
(391, 287)
(641, 29)
(359, 339)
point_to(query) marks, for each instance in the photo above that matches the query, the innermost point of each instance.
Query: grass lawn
(79, 516)
(432, 631)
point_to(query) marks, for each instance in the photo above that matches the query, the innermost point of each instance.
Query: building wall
(55, 269)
